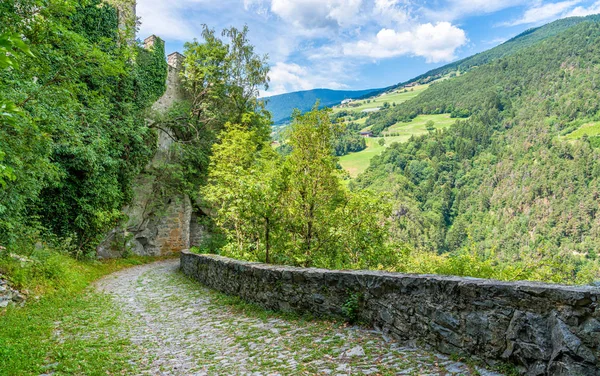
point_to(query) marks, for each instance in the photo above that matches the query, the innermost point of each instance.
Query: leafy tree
(221, 78)
(10, 47)
(245, 190)
(314, 186)
(293, 209)
(81, 137)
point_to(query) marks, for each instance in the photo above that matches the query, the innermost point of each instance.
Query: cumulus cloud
(317, 14)
(166, 20)
(582, 11)
(305, 36)
(433, 42)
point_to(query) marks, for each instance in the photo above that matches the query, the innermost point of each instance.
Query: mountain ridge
(281, 106)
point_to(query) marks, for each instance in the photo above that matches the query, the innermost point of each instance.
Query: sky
(354, 44)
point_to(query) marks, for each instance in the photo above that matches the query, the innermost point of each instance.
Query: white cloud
(544, 12)
(166, 20)
(457, 9)
(392, 11)
(258, 6)
(287, 77)
(317, 14)
(433, 42)
(581, 11)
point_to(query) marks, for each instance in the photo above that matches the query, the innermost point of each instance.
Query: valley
(458, 210)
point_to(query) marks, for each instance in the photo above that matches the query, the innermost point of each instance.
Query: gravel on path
(178, 327)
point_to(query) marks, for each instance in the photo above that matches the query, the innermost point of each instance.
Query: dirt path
(181, 328)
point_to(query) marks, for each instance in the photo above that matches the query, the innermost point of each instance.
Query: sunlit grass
(356, 163)
(396, 97)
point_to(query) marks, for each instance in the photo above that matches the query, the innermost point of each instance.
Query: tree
(221, 78)
(314, 187)
(10, 47)
(244, 191)
(81, 136)
(293, 209)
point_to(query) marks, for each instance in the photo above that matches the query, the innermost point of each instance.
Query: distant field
(355, 163)
(417, 126)
(395, 97)
(590, 129)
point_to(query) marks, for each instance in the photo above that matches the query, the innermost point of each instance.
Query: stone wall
(543, 329)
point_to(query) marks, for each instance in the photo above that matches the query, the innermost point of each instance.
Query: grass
(589, 129)
(397, 97)
(417, 127)
(50, 334)
(356, 163)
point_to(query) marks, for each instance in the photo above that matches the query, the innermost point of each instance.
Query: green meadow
(355, 163)
(589, 129)
(396, 97)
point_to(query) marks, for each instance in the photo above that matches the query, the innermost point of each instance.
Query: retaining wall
(543, 329)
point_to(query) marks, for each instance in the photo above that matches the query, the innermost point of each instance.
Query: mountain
(525, 39)
(281, 106)
(519, 179)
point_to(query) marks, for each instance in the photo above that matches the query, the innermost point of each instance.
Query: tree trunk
(267, 243)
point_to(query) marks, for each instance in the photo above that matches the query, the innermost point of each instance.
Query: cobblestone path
(178, 327)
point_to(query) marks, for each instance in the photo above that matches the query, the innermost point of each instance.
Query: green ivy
(80, 138)
(151, 74)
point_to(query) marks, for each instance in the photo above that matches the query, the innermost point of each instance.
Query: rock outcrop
(10, 295)
(157, 225)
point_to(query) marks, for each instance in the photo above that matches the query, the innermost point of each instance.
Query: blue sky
(355, 44)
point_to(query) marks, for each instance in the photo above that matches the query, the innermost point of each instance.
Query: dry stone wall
(542, 329)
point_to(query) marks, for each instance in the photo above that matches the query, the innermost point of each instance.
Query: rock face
(542, 329)
(9, 295)
(157, 225)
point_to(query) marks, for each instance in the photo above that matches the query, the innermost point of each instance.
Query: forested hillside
(281, 106)
(504, 182)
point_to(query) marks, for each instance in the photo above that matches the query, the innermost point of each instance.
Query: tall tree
(314, 184)
(222, 77)
(244, 191)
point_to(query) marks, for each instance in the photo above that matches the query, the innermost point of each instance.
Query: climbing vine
(151, 73)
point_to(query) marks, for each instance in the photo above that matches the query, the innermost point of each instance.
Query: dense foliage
(504, 183)
(349, 141)
(293, 209)
(221, 80)
(80, 136)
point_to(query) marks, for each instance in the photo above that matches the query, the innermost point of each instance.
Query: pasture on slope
(591, 129)
(356, 163)
(397, 97)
